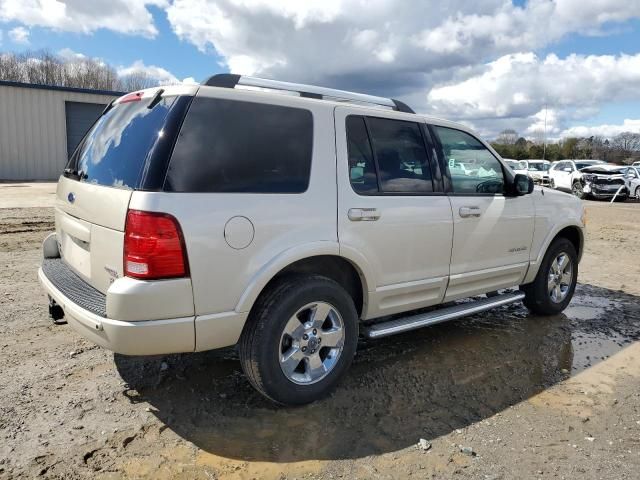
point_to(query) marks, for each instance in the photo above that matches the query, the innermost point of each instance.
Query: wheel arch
(573, 233)
(318, 259)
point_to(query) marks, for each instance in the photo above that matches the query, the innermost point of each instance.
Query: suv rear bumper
(147, 337)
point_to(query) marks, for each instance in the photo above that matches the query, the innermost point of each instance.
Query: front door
(492, 233)
(392, 215)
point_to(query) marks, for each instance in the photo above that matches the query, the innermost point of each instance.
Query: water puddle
(422, 384)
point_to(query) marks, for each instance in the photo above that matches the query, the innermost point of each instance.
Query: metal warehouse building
(40, 126)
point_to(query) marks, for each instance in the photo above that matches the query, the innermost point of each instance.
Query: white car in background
(538, 170)
(566, 175)
(632, 180)
(518, 166)
(604, 182)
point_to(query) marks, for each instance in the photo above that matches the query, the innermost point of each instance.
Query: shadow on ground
(418, 385)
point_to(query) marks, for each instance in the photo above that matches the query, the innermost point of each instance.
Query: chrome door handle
(469, 212)
(363, 214)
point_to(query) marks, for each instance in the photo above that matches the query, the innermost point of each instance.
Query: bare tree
(137, 81)
(626, 141)
(625, 147)
(45, 68)
(507, 137)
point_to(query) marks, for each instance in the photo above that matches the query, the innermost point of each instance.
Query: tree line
(623, 148)
(46, 68)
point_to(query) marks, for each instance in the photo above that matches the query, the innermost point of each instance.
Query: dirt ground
(500, 395)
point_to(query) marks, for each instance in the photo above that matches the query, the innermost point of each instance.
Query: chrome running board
(399, 325)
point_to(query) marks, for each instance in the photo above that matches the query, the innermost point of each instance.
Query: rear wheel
(638, 193)
(300, 339)
(553, 287)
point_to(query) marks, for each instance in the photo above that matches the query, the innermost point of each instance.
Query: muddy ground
(498, 396)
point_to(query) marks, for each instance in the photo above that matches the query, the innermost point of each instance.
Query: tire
(552, 184)
(276, 337)
(578, 190)
(538, 294)
(638, 193)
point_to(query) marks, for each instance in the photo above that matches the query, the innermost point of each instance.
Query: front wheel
(578, 190)
(299, 339)
(638, 193)
(553, 287)
(552, 184)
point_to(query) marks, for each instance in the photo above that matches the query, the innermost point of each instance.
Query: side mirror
(522, 184)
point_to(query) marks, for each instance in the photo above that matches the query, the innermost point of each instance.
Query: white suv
(566, 175)
(197, 217)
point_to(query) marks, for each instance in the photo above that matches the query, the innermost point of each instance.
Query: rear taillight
(153, 246)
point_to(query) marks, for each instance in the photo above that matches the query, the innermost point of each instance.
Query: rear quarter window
(242, 147)
(114, 151)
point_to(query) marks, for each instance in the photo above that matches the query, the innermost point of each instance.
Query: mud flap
(56, 312)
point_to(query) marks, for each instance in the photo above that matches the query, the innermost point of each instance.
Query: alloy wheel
(311, 343)
(560, 278)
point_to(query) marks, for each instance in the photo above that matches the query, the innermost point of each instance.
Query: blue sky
(119, 49)
(491, 63)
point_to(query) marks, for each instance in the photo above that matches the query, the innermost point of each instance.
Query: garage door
(80, 116)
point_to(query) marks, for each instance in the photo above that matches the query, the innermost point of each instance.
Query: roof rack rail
(230, 80)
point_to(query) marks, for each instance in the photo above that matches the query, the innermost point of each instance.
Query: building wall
(33, 137)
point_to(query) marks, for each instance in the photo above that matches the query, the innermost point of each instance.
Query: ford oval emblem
(71, 197)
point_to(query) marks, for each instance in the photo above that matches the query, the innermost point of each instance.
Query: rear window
(387, 155)
(114, 151)
(242, 147)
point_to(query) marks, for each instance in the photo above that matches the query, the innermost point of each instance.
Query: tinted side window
(473, 167)
(231, 146)
(401, 156)
(362, 168)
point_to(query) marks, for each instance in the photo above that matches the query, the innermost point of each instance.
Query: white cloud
(19, 35)
(344, 42)
(606, 130)
(510, 28)
(124, 16)
(159, 74)
(429, 53)
(70, 55)
(411, 49)
(519, 86)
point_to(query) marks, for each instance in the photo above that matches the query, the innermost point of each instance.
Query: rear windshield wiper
(156, 99)
(72, 173)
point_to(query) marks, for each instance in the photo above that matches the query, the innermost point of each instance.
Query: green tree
(569, 148)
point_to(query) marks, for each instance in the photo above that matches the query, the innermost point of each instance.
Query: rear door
(93, 194)
(564, 171)
(390, 209)
(492, 233)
